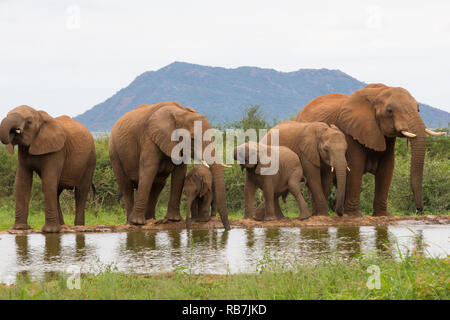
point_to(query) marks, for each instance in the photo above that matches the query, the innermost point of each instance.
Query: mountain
(221, 94)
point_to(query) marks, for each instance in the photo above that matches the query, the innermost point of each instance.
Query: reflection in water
(52, 247)
(207, 251)
(22, 248)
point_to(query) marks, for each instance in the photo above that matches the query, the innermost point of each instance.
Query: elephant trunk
(8, 124)
(418, 148)
(189, 201)
(341, 178)
(219, 193)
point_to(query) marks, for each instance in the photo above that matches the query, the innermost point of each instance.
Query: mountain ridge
(222, 93)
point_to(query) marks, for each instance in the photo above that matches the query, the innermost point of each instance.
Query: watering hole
(207, 251)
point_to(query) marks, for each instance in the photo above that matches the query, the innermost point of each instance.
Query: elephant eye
(29, 122)
(326, 149)
(389, 111)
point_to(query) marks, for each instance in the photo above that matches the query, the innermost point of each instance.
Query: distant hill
(221, 94)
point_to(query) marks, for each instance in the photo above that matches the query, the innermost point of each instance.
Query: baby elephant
(198, 188)
(255, 158)
(60, 150)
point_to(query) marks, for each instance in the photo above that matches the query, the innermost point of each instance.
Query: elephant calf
(60, 150)
(286, 179)
(198, 188)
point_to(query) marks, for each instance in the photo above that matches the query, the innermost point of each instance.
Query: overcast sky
(65, 57)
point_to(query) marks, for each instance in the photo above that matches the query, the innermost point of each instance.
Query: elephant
(321, 149)
(199, 190)
(286, 179)
(372, 118)
(60, 150)
(140, 150)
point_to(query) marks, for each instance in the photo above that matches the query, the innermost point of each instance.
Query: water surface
(206, 251)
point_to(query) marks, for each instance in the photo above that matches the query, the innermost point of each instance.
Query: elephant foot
(150, 216)
(202, 219)
(173, 216)
(304, 216)
(257, 218)
(279, 215)
(21, 226)
(270, 218)
(162, 221)
(136, 219)
(51, 228)
(323, 214)
(352, 214)
(381, 214)
(79, 222)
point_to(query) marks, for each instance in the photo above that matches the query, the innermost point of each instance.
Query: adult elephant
(141, 148)
(60, 150)
(372, 118)
(321, 149)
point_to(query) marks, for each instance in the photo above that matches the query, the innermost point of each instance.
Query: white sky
(54, 59)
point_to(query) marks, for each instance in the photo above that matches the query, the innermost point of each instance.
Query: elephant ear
(50, 138)
(160, 126)
(10, 148)
(205, 187)
(357, 118)
(309, 142)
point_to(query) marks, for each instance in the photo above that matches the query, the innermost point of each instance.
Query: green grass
(414, 277)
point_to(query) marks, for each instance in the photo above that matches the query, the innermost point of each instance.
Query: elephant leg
(278, 213)
(356, 160)
(194, 210)
(249, 196)
(148, 169)
(153, 200)
(176, 188)
(383, 178)
(23, 183)
(294, 188)
(314, 183)
(125, 185)
(60, 214)
(260, 211)
(269, 198)
(50, 176)
(81, 195)
(204, 207)
(326, 178)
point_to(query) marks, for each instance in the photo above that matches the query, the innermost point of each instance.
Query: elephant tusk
(332, 169)
(348, 169)
(226, 165)
(18, 131)
(408, 134)
(205, 164)
(434, 133)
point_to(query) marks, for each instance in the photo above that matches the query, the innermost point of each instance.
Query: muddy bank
(215, 223)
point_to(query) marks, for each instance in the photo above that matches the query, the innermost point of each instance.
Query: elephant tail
(94, 191)
(284, 196)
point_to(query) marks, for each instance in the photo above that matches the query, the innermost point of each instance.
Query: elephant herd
(334, 139)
